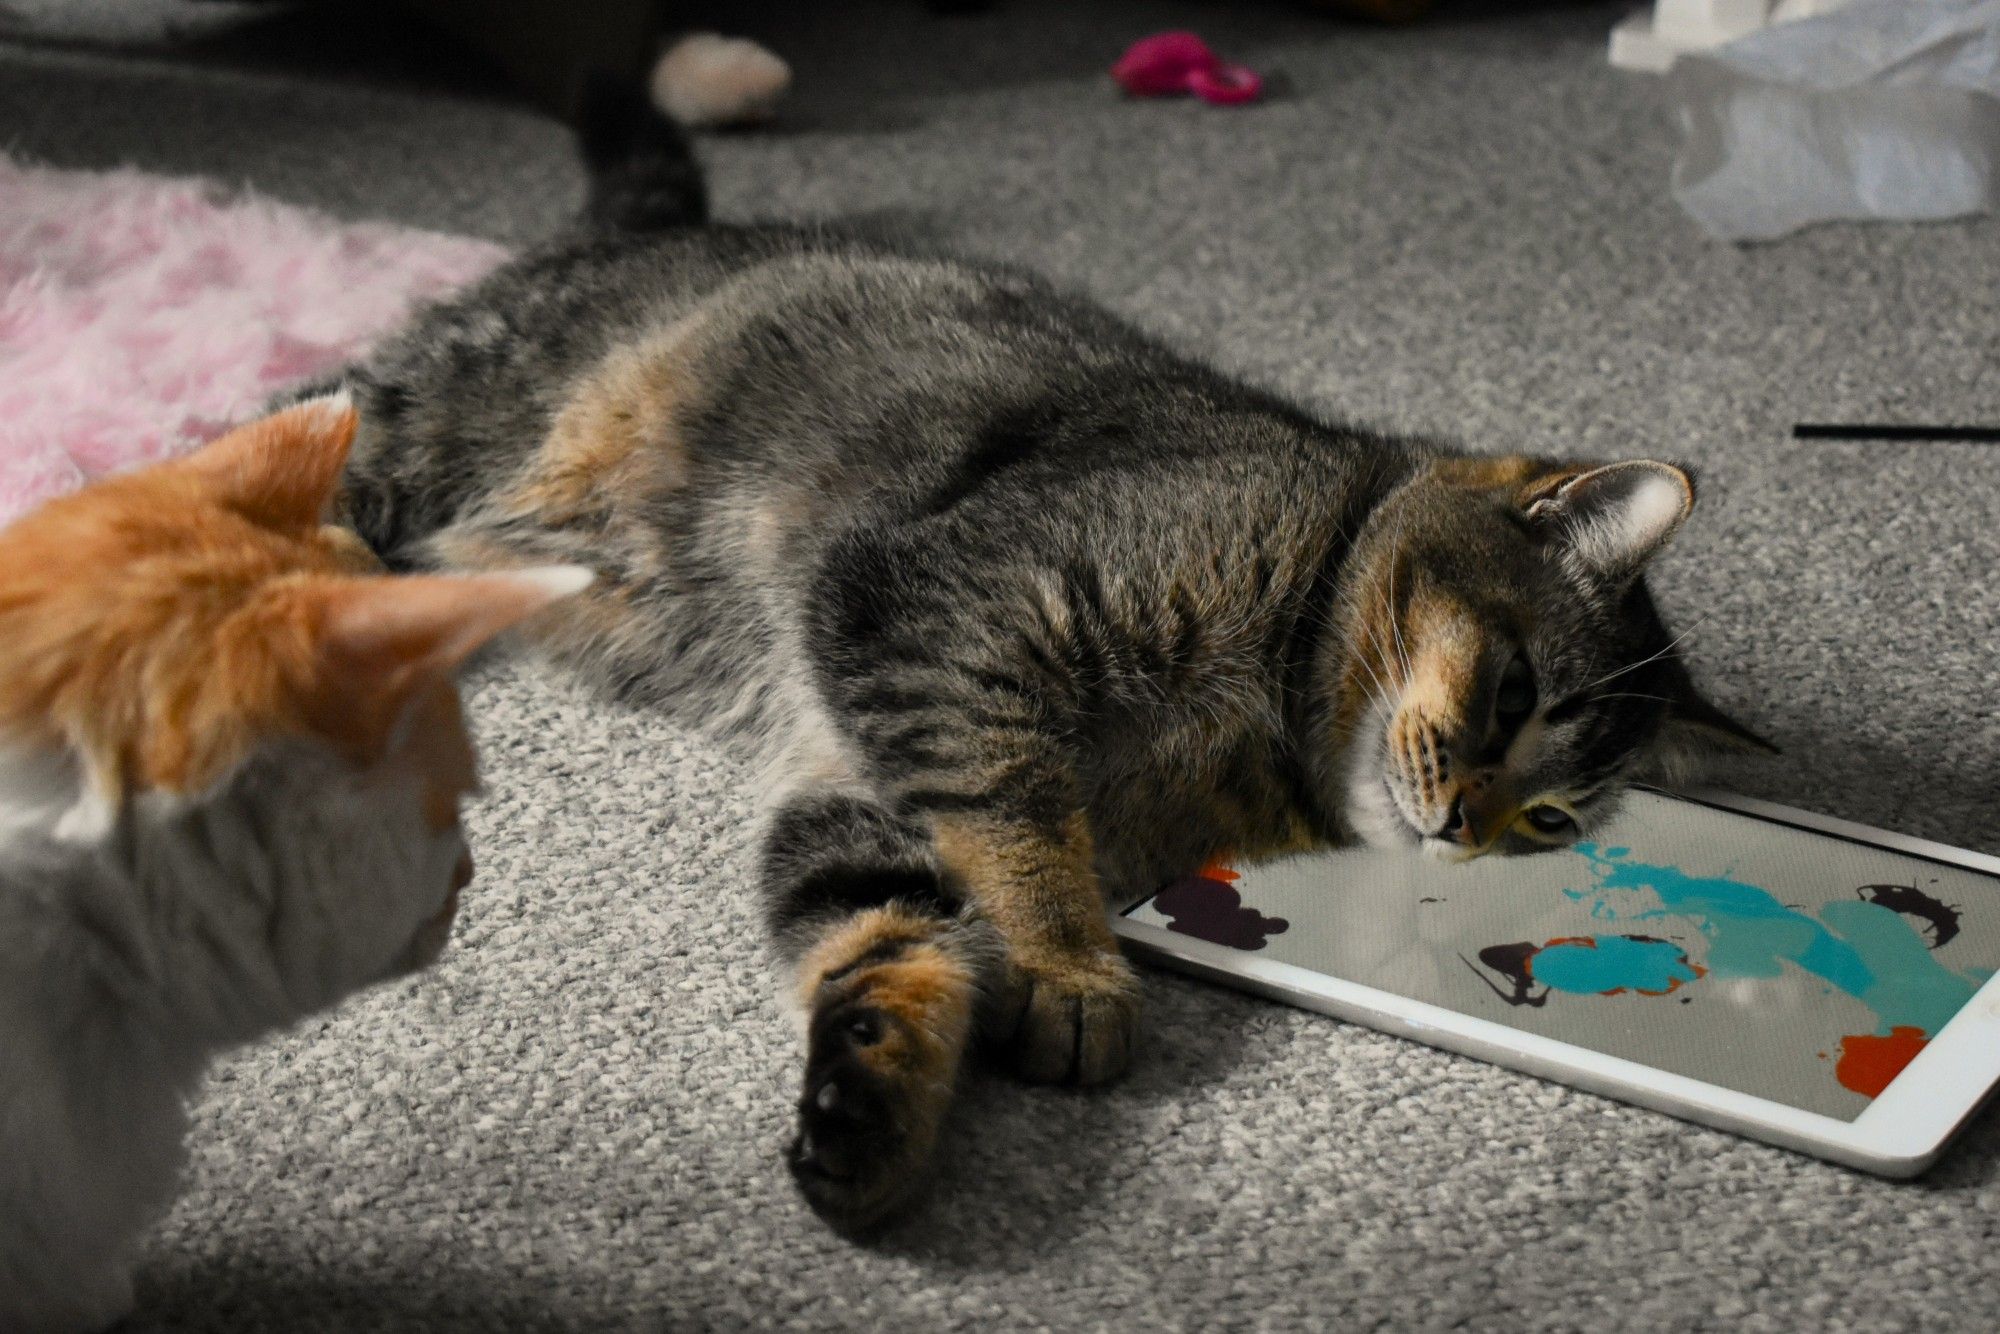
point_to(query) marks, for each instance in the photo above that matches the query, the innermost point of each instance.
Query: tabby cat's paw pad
(1073, 1018)
(866, 1122)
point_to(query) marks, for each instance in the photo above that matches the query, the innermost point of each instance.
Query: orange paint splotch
(1676, 983)
(1867, 1063)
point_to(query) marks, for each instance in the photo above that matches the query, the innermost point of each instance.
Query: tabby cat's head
(1507, 673)
(188, 652)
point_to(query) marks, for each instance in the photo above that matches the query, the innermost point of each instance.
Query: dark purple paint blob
(1910, 901)
(1212, 910)
(1511, 962)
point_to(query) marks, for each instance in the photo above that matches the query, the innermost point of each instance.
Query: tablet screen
(1796, 966)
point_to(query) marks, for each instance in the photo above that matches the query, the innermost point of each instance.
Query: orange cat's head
(162, 630)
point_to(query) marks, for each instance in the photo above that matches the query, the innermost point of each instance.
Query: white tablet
(1808, 982)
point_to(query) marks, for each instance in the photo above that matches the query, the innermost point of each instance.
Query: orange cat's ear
(383, 642)
(430, 624)
(281, 471)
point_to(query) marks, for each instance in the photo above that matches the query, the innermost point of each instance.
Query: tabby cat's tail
(643, 172)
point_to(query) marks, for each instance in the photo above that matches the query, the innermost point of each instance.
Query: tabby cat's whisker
(1633, 667)
(1395, 623)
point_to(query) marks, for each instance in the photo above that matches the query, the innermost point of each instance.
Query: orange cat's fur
(163, 622)
(231, 764)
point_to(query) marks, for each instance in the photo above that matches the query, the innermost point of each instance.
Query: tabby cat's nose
(1456, 827)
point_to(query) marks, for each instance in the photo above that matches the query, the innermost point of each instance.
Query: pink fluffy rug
(141, 315)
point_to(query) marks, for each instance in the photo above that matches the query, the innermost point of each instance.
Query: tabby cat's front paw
(1074, 1016)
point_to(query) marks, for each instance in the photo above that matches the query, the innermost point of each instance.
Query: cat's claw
(1074, 1017)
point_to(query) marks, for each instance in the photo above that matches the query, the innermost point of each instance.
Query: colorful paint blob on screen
(1586, 966)
(1875, 947)
(1677, 932)
(1206, 905)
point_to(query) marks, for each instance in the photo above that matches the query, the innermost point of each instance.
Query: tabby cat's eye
(1550, 819)
(1516, 697)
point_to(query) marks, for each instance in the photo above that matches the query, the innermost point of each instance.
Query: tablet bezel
(1899, 1134)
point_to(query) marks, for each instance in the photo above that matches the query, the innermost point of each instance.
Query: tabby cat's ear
(1615, 517)
(386, 641)
(281, 471)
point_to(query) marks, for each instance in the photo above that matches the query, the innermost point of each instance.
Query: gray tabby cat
(1024, 612)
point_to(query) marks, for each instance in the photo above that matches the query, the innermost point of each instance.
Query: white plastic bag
(1882, 109)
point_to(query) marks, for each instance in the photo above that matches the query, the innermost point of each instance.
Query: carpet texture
(140, 316)
(575, 1121)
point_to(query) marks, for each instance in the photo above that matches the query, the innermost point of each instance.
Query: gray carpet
(575, 1121)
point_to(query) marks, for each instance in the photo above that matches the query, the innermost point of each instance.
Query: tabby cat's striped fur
(1023, 610)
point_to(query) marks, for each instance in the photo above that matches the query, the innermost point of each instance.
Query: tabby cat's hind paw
(1071, 1018)
(866, 1130)
(886, 1036)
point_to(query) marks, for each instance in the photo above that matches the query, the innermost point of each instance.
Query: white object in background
(1885, 110)
(1696, 23)
(706, 80)
(1653, 41)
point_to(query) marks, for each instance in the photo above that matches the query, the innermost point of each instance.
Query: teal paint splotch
(1911, 987)
(1600, 965)
(1864, 949)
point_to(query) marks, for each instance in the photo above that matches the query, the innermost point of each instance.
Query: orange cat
(231, 764)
